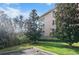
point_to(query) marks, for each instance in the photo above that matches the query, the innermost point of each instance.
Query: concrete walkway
(30, 51)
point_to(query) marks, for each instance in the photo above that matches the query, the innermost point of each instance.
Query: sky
(15, 9)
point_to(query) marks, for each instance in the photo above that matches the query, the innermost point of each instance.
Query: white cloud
(12, 12)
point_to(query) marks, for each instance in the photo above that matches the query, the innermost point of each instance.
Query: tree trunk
(70, 44)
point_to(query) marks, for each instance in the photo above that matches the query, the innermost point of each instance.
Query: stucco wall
(48, 26)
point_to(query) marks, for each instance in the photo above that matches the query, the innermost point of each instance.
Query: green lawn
(59, 48)
(54, 47)
(16, 48)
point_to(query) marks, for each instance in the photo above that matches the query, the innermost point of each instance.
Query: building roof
(47, 12)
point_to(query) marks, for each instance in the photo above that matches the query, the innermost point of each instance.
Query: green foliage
(8, 34)
(22, 39)
(7, 39)
(34, 30)
(67, 23)
(8, 30)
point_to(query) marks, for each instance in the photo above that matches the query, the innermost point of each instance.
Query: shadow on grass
(15, 49)
(59, 45)
(14, 53)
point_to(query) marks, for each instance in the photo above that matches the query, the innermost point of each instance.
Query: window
(53, 22)
(52, 30)
(42, 32)
(53, 13)
(42, 25)
(77, 5)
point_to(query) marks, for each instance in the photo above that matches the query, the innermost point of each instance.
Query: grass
(54, 47)
(16, 48)
(59, 48)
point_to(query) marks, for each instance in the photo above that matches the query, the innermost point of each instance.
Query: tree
(21, 21)
(18, 21)
(67, 22)
(6, 31)
(34, 30)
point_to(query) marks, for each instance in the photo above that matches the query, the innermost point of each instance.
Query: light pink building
(49, 23)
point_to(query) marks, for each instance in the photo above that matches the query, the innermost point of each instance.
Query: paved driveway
(31, 51)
